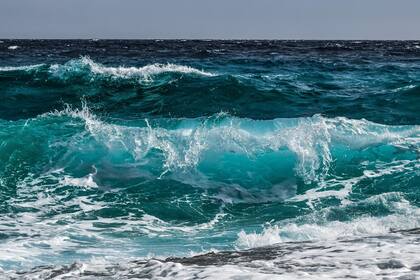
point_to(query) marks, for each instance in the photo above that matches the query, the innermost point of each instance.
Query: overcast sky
(211, 19)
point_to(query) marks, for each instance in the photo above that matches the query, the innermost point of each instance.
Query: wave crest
(145, 73)
(86, 69)
(314, 142)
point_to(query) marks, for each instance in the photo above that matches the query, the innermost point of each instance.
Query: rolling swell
(289, 88)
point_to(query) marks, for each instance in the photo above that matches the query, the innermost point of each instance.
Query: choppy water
(119, 159)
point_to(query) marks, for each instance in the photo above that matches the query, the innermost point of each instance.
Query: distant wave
(145, 72)
(86, 69)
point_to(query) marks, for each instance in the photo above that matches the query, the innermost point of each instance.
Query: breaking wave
(88, 70)
(266, 155)
(315, 142)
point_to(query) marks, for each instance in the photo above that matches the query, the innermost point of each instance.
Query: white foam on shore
(392, 257)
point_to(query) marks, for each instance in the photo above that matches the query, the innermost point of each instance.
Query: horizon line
(203, 39)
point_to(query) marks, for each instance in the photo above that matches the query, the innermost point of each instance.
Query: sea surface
(209, 159)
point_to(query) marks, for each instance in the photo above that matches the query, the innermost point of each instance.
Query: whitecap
(21, 68)
(144, 73)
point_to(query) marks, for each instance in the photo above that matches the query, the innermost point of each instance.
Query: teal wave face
(143, 152)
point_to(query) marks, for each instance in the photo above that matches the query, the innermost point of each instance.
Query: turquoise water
(132, 150)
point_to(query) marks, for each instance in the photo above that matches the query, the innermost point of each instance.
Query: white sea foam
(269, 236)
(405, 217)
(42, 196)
(20, 68)
(341, 188)
(153, 225)
(86, 181)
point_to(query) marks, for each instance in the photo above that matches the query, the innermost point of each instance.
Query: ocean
(181, 159)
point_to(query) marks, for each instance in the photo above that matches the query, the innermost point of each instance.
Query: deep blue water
(139, 149)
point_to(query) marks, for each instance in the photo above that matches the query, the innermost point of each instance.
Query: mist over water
(119, 151)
